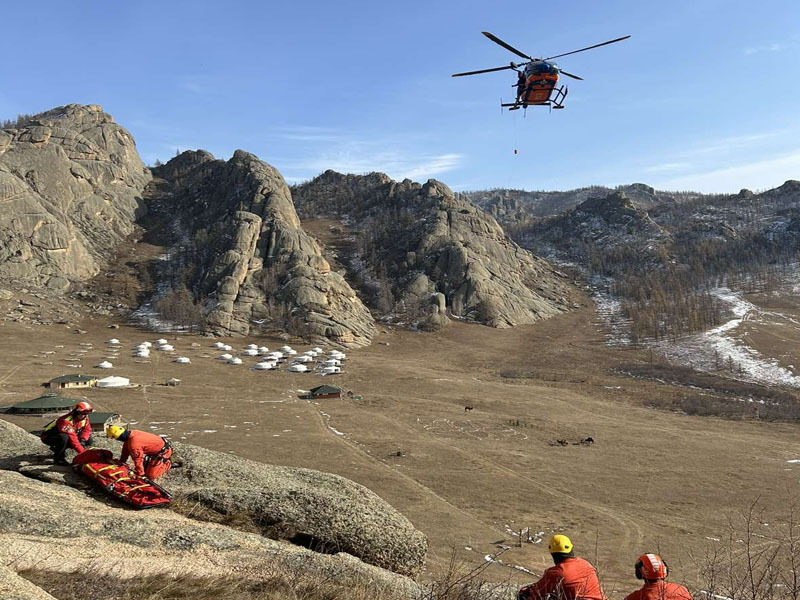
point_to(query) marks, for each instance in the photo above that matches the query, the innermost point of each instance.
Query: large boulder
(309, 507)
(54, 528)
(71, 187)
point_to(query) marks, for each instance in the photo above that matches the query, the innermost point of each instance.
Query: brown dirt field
(777, 333)
(652, 479)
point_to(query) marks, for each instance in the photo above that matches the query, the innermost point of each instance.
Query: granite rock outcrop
(420, 242)
(71, 185)
(256, 263)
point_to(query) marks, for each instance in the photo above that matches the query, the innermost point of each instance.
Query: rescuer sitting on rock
(571, 578)
(71, 430)
(150, 453)
(654, 571)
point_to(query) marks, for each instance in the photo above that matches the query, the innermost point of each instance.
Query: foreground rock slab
(14, 587)
(310, 508)
(55, 528)
(17, 445)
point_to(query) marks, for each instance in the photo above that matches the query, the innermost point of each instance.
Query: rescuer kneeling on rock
(71, 430)
(150, 453)
(654, 571)
(571, 578)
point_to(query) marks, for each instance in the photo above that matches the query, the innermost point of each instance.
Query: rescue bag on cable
(118, 480)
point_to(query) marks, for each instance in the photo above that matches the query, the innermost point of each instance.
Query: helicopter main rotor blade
(587, 48)
(570, 75)
(508, 47)
(512, 66)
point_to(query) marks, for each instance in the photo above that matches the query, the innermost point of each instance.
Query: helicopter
(536, 78)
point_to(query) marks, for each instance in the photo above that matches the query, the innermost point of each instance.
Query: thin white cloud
(400, 156)
(710, 155)
(733, 142)
(434, 165)
(759, 175)
(198, 84)
(312, 137)
(396, 165)
(770, 47)
(306, 133)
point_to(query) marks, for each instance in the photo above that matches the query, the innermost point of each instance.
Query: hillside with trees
(661, 260)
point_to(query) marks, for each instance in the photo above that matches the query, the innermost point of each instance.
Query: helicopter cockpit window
(542, 68)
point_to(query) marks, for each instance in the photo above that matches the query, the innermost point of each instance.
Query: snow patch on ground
(698, 350)
(609, 309)
(146, 316)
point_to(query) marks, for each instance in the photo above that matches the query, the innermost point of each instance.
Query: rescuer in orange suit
(71, 430)
(653, 569)
(571, 578)
(150, 453)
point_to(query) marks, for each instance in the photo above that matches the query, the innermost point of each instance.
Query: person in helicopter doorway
(71, 430)
(520, 85)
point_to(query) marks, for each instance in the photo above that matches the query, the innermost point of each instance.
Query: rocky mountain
(239, 239)
(515, 207)
(313, 524)
(607, 223)
(237, 257)
(421, 251)
(71, 185)
(660, 263)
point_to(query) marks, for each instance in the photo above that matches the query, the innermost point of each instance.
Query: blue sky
(704, 95)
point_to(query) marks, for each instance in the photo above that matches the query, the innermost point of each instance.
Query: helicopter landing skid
(557, 97)
(556, 101)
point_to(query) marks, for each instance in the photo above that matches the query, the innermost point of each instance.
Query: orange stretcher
(118, 480)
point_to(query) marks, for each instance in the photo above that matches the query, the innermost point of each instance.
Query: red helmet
(651, 566)
(83, 407)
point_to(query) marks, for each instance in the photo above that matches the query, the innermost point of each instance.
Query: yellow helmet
(114, 431)
(560, 544)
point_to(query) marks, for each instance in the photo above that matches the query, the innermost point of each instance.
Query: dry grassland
(653, 479)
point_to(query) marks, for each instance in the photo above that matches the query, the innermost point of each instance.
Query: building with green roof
(326, 391)
(47, 403)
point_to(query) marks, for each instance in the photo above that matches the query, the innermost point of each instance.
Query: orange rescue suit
(78, 430)
(660, 590)
(572, 579)
(141, 445)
